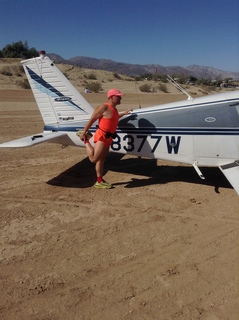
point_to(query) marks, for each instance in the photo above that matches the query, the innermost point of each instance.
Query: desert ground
(161, 245)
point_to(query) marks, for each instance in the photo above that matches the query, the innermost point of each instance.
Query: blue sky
(165, 32)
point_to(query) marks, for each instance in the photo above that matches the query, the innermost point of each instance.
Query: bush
(91, 76)
(145, 87)
(6, 71)
(115, 74)
(162, 87)
(23, 84)
(12, 71)
(94, 87)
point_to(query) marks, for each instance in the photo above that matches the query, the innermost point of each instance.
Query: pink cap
(114, 92)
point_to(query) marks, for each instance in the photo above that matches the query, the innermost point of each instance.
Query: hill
(137, 69)
(12, 77)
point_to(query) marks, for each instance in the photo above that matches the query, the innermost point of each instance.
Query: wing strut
(195, 165)
(171, 80)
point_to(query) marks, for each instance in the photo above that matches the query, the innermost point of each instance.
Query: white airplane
(202, 132)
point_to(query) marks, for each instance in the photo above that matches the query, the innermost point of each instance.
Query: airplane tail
(57, 99)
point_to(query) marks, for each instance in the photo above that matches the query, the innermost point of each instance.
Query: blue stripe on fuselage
(152, 131)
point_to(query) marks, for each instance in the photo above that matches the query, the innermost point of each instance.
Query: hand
(124, 113)
(83, 136)
(128, 111)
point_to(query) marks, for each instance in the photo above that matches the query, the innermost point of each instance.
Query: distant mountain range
(138, 69)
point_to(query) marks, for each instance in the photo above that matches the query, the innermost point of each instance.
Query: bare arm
(124, 113)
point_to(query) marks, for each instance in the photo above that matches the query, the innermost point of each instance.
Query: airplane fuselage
(199, 130)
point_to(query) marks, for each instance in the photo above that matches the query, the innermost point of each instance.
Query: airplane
(202, 131)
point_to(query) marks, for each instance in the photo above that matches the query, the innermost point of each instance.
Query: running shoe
(103, 185)
(88, 134)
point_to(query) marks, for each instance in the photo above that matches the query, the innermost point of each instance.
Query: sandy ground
(162, 244)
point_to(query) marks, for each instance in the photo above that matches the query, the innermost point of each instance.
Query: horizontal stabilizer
(231, 172)
(32, 140)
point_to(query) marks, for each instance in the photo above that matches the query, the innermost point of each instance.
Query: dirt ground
(162, 244)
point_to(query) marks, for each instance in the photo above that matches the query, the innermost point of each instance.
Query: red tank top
(110, 124)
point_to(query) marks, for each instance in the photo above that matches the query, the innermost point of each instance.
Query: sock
(99, 179)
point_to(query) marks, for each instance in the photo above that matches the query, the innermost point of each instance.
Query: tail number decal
(172, 143)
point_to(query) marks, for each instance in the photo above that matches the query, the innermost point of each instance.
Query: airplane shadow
(82, 174)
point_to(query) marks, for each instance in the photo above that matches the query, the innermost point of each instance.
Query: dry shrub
(145, 87)
(6, 71)
(12, 71)
(23, 84)
(162, 87)
(94, 87)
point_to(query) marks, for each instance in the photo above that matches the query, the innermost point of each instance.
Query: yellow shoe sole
(103, 185)
(88, 134)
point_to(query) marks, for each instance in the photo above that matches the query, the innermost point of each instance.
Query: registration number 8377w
(136, 143)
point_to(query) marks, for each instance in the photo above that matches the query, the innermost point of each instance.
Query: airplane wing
(231, 172)
(32, 140)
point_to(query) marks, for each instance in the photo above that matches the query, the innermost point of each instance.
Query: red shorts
(100, 136)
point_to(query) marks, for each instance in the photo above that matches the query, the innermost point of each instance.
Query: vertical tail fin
(57, 99)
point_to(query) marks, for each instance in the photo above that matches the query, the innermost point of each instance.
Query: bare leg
(97, 153)
(99, 166)
(89, 150)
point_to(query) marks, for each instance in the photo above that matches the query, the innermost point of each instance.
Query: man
(108, 118)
